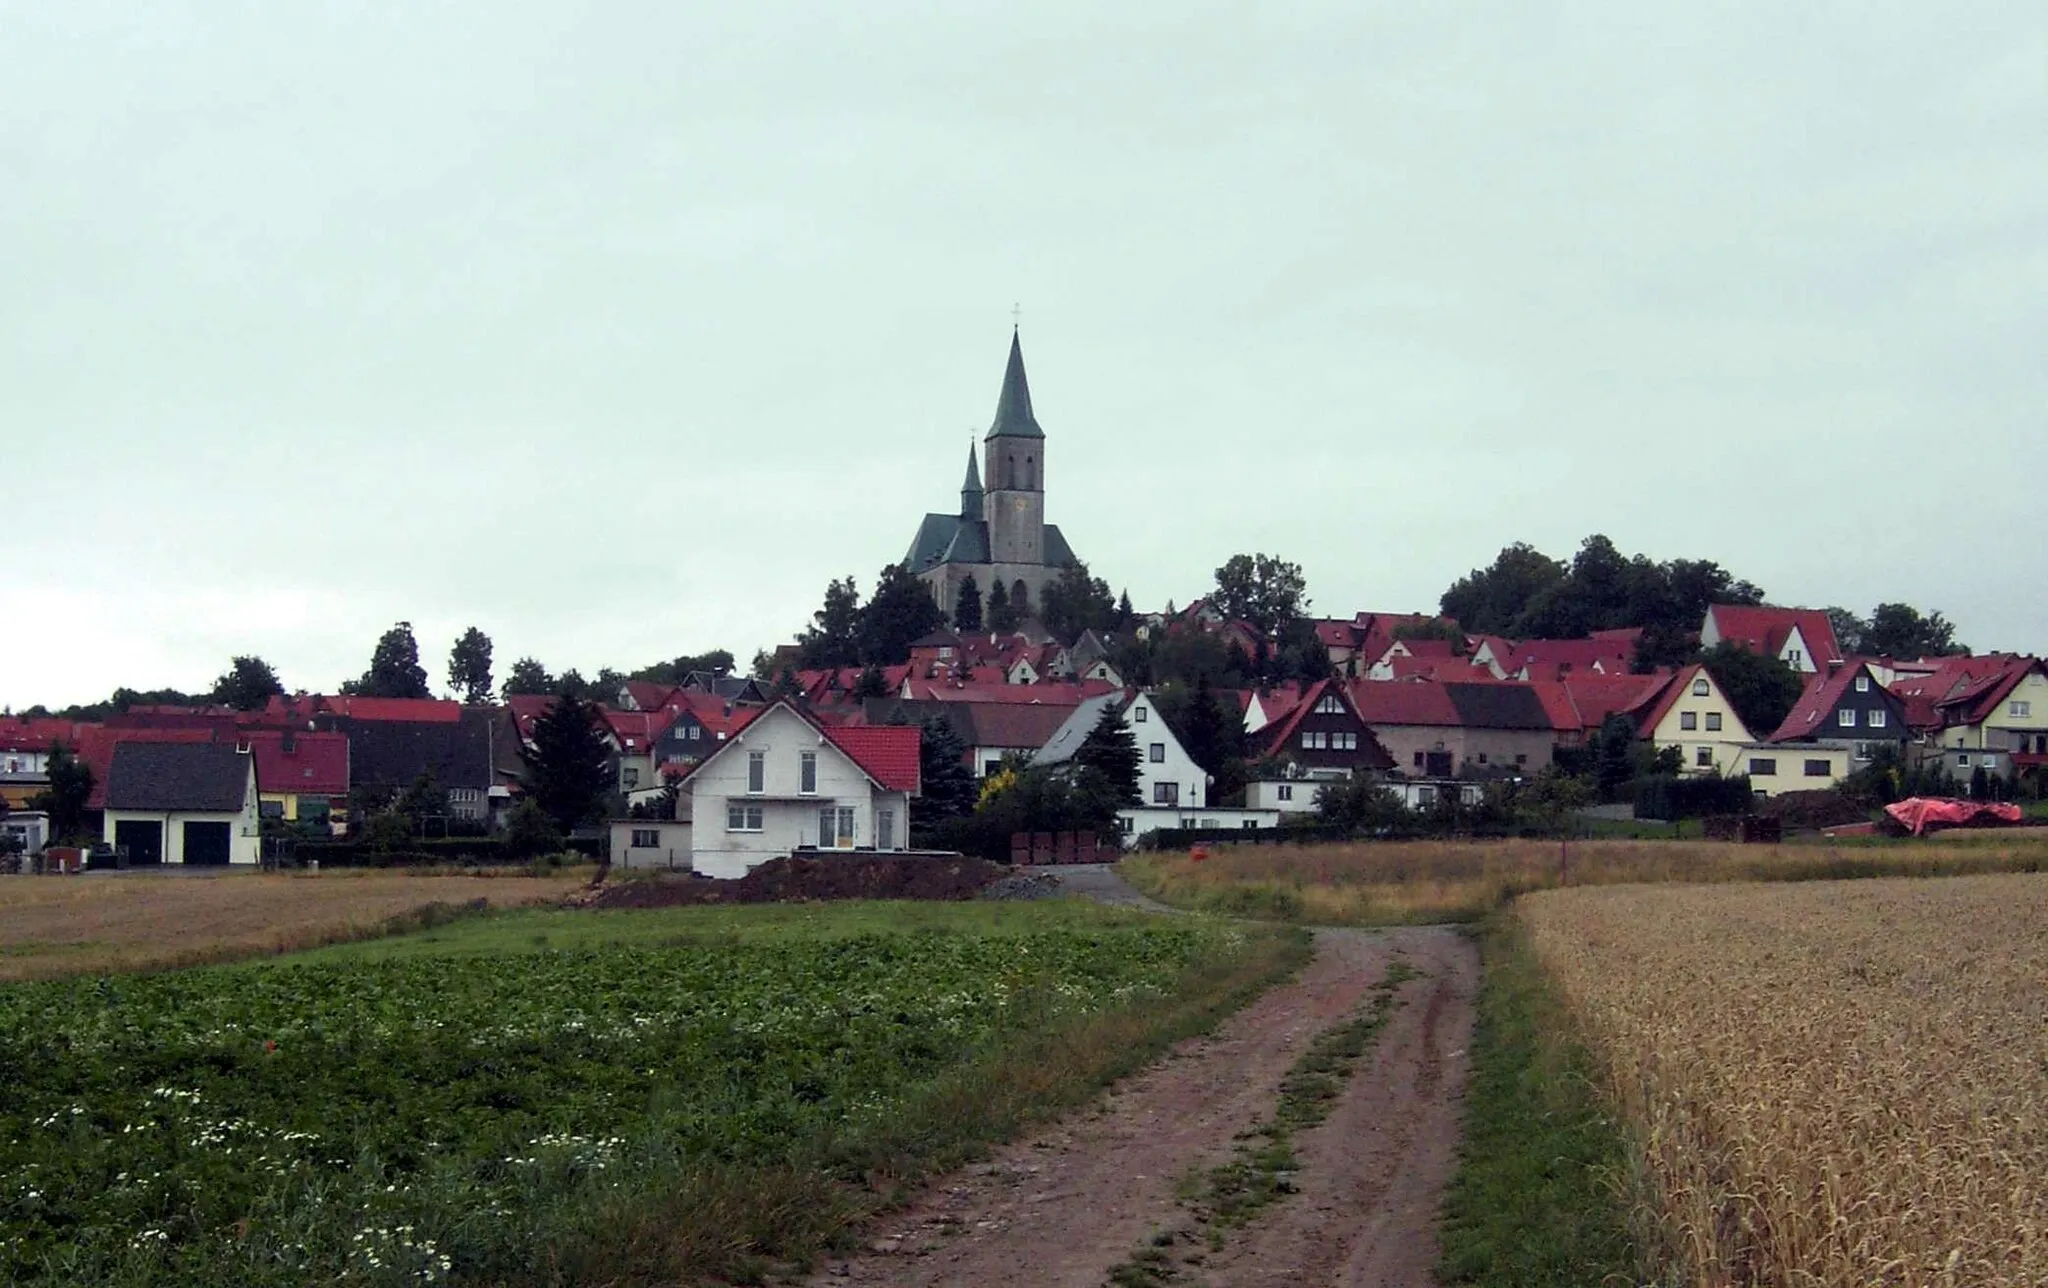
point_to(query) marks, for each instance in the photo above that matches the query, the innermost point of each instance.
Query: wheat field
(135, 921)
(1833, 1084)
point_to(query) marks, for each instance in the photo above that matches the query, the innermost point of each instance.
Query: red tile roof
(1584, 701)
(886, 753)
(392, 710)
(1654, 704)
(316, 764)
(1762, 628)
(1975, 701)
(1419, 702)
(1808, 716)
(37, 733)
(1571, 656)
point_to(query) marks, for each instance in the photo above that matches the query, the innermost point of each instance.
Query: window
(2019, 709)
(1124, 825)
(1418, 760)
(1521, 758)
(646, 838)
(1703, 757)
(743, 818)
(1763, 767)
(1862, 684)
(629, 776)
(989, 768)
(885, 830)
(1876, 720)
(835, 828)
(1962, 762)
(1330, 706)
(1166, 793)
(695, 732)
(1425, 797)
(1688, 720)
(1865, 750)
(1713, 721)
(270, 809)
(1700, 687)
(1315, 741)
(757, 771)
(1137, 715)
(1285, 792)
(807, 772)
(1482, 757)
(1156, 753)
(1793, 658)
(1846, 718)
(1345, 741)
(1817, 769)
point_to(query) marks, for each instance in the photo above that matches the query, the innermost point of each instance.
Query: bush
(1671, 799)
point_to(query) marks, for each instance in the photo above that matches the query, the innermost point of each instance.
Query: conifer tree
(568, 767)
(967, 613)
(1111, 749)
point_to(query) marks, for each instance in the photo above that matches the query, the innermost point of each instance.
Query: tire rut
(1064, 1206)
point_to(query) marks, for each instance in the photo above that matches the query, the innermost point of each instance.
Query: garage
(142, 838)
(207, 844)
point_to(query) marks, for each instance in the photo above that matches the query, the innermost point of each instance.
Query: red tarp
(1920, 814)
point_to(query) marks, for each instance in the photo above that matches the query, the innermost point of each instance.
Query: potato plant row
(424, 1119)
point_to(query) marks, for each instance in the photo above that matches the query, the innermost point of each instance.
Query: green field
(561, 1096)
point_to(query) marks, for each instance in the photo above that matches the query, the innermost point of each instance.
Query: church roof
(1013, 409)
(973, 483)
(948, 538)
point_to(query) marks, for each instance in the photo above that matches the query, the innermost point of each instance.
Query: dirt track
(1064, 1207)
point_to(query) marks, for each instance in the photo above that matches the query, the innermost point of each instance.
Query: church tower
(1015, 471)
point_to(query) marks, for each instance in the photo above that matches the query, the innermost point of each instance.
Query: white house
(651, 843)
(191, 803)
(1283, 795)
(1167, 776)
(787, 782)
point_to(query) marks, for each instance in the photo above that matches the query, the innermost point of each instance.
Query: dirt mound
(1024, 885)
(799, 877)
(1814, 809)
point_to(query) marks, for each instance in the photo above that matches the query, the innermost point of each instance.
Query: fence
(1041, 848)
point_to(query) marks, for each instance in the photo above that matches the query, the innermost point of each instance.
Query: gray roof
(1013, 409)
(178, 776)
(1498, 706)
(970, 490)
(1065, 744)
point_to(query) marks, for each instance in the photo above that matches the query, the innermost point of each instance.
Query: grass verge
(1537, 1200)
(1424, 882)
(1260, 1171)
(741, 1225)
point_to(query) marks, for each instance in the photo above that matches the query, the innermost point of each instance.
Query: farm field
(1421, 882)
(1829, 1084)
(68, 925)
(566, 1096)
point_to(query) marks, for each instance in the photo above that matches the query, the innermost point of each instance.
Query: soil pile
(1814, 809)
(801, 877)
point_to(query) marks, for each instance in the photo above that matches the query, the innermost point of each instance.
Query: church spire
(1013, 409)
(970, 490)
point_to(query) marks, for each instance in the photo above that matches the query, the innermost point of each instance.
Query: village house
(1802, 638)
(1838, 726)
(188, 803)
(1689, 712)
(786, 782)
(1436, 730)
(300, 777)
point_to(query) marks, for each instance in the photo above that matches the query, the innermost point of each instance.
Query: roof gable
(887, 755)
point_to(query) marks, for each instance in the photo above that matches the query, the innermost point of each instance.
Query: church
(1000, 535)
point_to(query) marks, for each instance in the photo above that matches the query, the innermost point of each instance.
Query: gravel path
(1067, 1205)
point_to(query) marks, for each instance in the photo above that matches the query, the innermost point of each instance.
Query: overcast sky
(619, 329)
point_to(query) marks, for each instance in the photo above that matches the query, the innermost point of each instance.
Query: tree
(717, 662)
(1020, 602)
(1262, 590)
(871, 684)
(1111, 749)
(1849, 630)
(1488, 601)
(568, 766)
(1898, 630)
(1614, 759)
(469, 667)
(529, 832)
(1076, 602)
(1762, 689)
(529, 678)
(967, 612)
(947, 781)
(1359, 804)
(249, 683)
(901, 612)
(395, 670)
(71, 784)
(1125, 614)
(833, 638)
(423, 798)
(1002, 617)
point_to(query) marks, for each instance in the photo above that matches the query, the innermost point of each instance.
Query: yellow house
(1692, 714)
(1775, 768)
(1998, 724)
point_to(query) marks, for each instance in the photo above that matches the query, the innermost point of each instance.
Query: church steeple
(970, 490)
(1013, 409)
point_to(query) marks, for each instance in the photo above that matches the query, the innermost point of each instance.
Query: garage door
(206, 844)
(142, 838)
